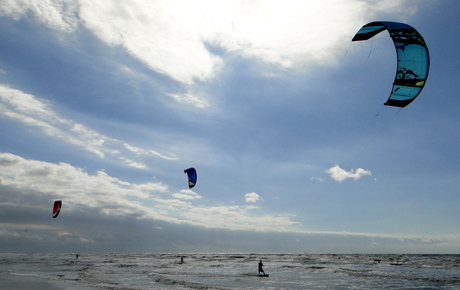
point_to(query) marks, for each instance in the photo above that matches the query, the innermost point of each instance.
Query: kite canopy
(57, 208)
(413, 59)
(191, 173)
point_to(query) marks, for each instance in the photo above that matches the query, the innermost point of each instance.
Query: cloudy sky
(103, 104)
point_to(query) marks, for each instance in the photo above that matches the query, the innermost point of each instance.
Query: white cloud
(163, 34)
(191, 100)
(171, 36)
(186, 194)
(239, 218)
(37, 183)
(35, 112)
(252, 197)
(339, 174)
(143, 152)
(284, 34)
(59, 15)
(317, 179)
(134, 164)
(107, 195)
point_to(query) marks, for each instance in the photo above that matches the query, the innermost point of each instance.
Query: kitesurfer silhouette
(260, 267)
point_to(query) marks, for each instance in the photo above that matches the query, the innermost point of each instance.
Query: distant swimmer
(261, 267)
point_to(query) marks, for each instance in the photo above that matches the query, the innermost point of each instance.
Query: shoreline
(36, 283)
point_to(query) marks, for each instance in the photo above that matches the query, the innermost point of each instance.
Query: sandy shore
(23, 282)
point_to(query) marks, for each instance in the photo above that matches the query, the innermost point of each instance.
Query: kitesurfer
(260, 267)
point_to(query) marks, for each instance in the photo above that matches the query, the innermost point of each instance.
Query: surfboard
(266, 275)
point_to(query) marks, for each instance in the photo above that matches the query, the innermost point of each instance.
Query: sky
(103, 104)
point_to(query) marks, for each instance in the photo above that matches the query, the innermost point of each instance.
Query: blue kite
(413, 59)
(191, 173)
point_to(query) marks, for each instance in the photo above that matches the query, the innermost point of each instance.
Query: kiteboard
(263, 275)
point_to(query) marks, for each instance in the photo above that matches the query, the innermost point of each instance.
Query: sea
(236, 271)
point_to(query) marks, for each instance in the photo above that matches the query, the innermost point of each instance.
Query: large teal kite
(413, 59)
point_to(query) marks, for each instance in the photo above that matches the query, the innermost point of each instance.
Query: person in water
(260, 267)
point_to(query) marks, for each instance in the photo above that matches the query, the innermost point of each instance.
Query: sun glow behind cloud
(171, 37)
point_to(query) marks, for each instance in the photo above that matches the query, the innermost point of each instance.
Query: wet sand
(25, 283)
